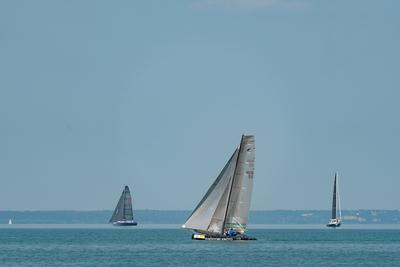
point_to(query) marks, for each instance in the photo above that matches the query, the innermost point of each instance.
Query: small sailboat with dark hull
(123, 213)
(336, 219)
(223, 212)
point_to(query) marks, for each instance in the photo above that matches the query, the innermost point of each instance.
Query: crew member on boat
(231, 232)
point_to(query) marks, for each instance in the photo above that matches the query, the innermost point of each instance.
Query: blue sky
(156, 94)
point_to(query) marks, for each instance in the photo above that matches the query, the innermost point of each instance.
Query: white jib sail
(209, 214)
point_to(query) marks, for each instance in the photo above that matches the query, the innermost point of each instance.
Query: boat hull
(222, 238)
(125, 223)
(334, 224)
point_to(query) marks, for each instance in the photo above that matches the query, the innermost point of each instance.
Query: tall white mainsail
(239, 203)
(227, 202)
(338, 199)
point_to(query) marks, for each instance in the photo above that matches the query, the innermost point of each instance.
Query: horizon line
(185, 210)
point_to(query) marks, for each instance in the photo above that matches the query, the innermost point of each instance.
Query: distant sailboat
(9, 221)
(336, 219)
(223, 212)
(123, 214)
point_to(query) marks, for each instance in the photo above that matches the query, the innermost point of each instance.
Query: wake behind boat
(336, 219)
(123, 213)
(223, 212)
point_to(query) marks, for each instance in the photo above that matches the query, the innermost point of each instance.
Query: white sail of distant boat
(10, 221)
(223, 212)
(336, 218)
(123, 213)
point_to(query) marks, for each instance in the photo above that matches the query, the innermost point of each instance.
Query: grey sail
(336, 217)
(334, 210)
(123, 210)
(239, 201)
(227, 202)
(208, 216)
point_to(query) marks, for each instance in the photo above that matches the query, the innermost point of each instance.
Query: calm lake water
(153, 246)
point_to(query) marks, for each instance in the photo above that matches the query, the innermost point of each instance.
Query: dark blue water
(160, 247)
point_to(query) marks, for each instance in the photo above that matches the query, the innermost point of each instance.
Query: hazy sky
(156, 94)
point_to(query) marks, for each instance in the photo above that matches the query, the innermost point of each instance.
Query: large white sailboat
(336, 218)
(223, 212)
(123, 213)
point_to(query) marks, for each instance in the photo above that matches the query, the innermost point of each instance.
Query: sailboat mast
(334, 211)
(230, 190)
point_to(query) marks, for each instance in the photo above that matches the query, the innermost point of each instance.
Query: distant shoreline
(257, 217)
(251, 227)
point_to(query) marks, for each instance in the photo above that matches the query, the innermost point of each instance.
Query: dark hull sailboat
(125, 223)
(223, 212)
(123, 213)
(336, 219)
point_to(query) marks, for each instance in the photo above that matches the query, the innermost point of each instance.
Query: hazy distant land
(179, 216)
